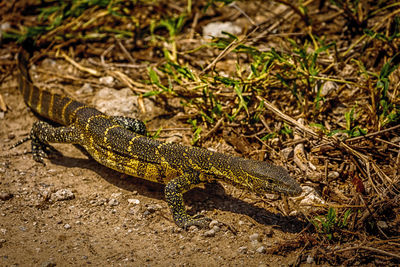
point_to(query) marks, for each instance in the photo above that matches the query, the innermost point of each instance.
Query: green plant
(330, 223)
(352, 128)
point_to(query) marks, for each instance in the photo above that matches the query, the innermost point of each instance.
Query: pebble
(108, 80)
(242, 250)
(213, 223)
(5, 196)
(67, 226)
(85, 89)
(209, 233)
(255, 237)
(113, 202)
(333, 175)
(328, 87)
(116, 195)
(261, 250)
(310, 259)
(216, 228)
(153, 207)
(62, 194)
(286, 152)
(134, 201)
(215, 29)
(382, 224)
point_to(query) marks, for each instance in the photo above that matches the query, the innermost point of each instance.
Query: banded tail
(55, 107)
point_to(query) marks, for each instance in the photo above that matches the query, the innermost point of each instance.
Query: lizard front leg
(174, 190)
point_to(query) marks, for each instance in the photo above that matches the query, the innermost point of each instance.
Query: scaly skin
(120, 144)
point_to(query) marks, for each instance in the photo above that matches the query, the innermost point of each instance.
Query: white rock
(242, 250)
(133, 201)
(62, 194)
(113, 202)
(261, 250)
(107, 80)
(328, 87)
(215, 29)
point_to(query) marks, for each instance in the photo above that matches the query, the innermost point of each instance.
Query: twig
(227, 50)
(215, 128)
(105, 53)
(372, 134)
(233, 4)
(331, 140)
(79, 66)
(127, 54)
(376, 250)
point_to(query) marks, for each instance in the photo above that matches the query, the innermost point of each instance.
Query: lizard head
(262, 177)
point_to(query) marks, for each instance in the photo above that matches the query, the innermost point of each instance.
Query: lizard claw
(41, 150)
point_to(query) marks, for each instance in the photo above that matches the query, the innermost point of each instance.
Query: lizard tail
(47, 104)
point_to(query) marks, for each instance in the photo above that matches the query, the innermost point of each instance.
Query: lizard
(121, 143)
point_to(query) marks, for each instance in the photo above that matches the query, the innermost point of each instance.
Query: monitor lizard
(120, 143)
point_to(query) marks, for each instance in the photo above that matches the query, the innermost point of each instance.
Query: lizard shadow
(212, 196)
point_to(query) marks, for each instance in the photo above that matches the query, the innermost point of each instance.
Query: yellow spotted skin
(120, 143)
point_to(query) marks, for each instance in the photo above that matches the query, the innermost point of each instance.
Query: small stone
(216, 29)
(286, 152)
(5, 196)
(261, 250)
(382, 224)
(67, 226)
(116, 195)
(209, 233)
(134, 201)
(333, 175)
(62, 194)
(85, 89)
(255, 237)
(22, 228)
(242, 250)
(153, 208)
(113, 202)
(216, 228)
(213, 223)
(107, 80)
(328, 87)
(310, 259)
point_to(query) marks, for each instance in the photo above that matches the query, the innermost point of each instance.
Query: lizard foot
(197, 220)
(41, 150)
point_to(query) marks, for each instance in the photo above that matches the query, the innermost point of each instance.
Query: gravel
(62, 194)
